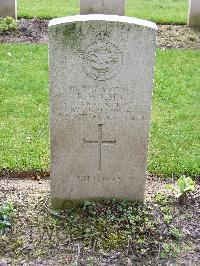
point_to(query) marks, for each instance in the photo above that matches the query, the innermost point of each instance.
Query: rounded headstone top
(99, 17)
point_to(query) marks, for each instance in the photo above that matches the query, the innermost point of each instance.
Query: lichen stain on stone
(90, 10)
(194, 20)
(68, 35)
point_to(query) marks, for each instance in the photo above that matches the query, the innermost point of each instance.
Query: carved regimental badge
(101, 60)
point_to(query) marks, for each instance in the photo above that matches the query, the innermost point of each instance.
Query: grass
(160, 11)
(47, 8)
(24, 107)
(175, 132)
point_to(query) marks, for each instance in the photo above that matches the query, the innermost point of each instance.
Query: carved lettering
(99, 178)
(101, 102)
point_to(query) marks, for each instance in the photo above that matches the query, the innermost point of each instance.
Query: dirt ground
(31, 198)
(169, 36)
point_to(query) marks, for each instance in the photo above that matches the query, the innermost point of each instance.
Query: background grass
(47, 8)
(160, 11)
(23, 107)
(24, 137)
(175, 133)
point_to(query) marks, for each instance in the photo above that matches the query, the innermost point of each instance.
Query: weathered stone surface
(8, 8)
(3, 262)
(111, 7)
(101, 77)
(194, 13)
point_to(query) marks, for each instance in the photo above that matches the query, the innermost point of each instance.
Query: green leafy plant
(183, 186)
(7, 24)
(170, 249)
(6, 209)
(161, 199)
(176, 233)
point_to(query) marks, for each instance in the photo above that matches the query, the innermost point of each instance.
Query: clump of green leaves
(6, 210)
(7, 24)
(183, 186)
(170, 249)
(176, 233)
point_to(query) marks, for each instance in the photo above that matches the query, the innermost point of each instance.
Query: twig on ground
(77, 255)
(54, 213)
(6, 174)
(128, 247)
(158, 258)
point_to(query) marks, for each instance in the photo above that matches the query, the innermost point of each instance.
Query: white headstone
(194, 13)
(111, 7)
(101, 76)
(8, 8)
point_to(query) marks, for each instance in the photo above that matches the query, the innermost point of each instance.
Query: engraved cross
(99, 143)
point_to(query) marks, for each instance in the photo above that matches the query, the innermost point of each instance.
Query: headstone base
(61, 204)
(194, 13)
(8, 8)
(109, 7)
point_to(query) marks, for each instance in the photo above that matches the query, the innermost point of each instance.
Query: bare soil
(30, 235)
(169, 36)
